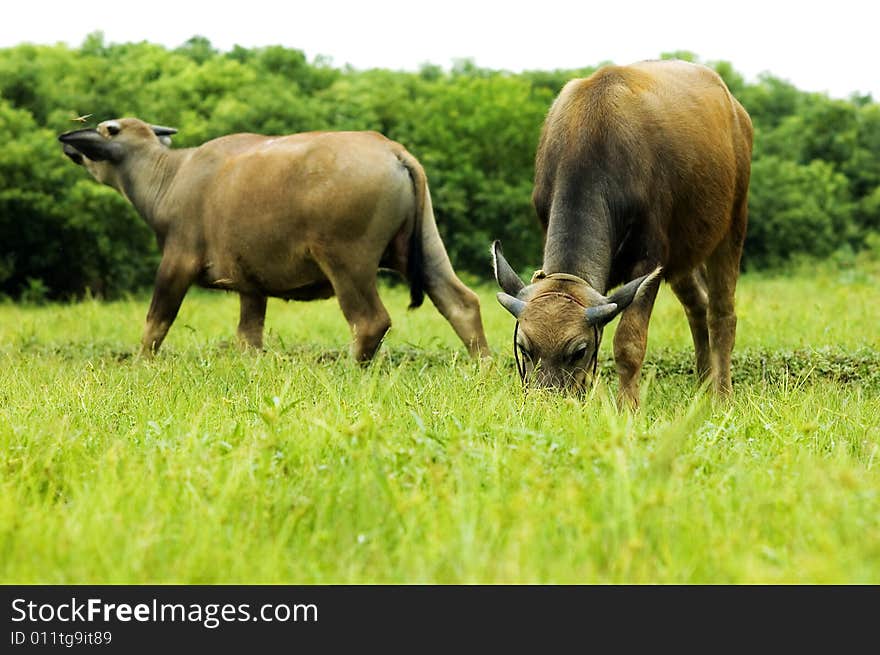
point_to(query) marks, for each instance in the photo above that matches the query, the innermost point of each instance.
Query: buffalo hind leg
(363, 309)
(453, 299)
(630, 342)
(252, 317)
(690, 289)
(461, 307)
(173, 279)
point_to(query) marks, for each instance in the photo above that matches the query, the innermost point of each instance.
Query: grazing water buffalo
(299, 217)
(641, 171)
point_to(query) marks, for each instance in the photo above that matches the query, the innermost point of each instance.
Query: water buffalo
(299, 217)
(641, 172)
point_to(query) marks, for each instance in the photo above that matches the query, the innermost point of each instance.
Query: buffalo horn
(514, 305)
(159, 130)
(601, 314)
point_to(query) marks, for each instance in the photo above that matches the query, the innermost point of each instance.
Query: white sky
(832, 46)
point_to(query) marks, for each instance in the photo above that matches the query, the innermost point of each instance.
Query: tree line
(815, 188)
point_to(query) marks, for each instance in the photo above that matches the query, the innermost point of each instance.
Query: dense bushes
(815, 183)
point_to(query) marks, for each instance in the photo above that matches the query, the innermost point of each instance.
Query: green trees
(815, 182)
(815, 173)
(796, 209)
(476, 135)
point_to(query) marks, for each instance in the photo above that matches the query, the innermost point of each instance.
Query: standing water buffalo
(298, 217)
(640, 170)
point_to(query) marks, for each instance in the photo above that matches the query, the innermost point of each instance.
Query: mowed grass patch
(209, 465)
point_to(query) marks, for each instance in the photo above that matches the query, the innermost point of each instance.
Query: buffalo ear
(504, 275)
(91, 144)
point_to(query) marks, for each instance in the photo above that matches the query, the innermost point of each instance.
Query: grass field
(208, 465)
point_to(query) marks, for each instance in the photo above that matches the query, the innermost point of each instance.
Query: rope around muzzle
(566, 277)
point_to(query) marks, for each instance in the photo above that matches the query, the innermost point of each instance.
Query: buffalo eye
(112, 129)
(578, 355)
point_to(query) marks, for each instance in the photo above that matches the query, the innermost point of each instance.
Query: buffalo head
(560, 319)
(100, 149)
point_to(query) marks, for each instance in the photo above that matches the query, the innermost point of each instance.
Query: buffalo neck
(582, 237)
(147, 180)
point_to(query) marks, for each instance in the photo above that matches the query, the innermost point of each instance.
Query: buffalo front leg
(691, 292)
(630, 342)
(252, 317)
(172, 282)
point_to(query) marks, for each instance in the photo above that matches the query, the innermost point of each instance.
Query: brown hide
(301, 216)
(638, 167)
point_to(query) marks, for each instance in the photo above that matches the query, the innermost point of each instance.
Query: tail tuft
(416, 283)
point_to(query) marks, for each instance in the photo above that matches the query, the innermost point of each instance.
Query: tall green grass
(209, 465)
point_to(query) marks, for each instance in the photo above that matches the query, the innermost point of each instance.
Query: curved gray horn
(514, 305)
(504, 274)
(601, 314)
(91, 144)
(160, 130)
(633, 289)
